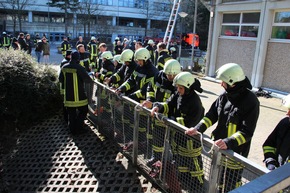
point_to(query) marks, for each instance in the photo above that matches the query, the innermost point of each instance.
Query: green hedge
(29, 92)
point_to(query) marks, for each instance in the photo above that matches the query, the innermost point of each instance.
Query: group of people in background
(25, 43)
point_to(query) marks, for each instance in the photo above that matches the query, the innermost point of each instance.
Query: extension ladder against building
(171, 22)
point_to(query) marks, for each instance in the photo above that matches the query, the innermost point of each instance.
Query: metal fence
(143, 137)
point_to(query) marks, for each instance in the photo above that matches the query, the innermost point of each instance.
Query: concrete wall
(237, 51)
(277, 67)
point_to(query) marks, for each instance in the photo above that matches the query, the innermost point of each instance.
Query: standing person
(22, 42)
(5, 40)
(236, 112)
(94, 50)
(138, 45)
(99, 60)
(37, 38)
(185, 107)
(173, 52)
(107, 66)
(65, 45)
(73, 76)
(163, 55)
(151, 50)
(15, 45)
(46, 50)
(125, 72)
(38, 50)
(62, 91)
(276, 148)
(84, 57)
(117, 65)
(160, 91)
(81, 41)
(118, 48)
(29, 43)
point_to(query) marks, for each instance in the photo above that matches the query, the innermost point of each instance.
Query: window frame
(240, 25)
(274, 24)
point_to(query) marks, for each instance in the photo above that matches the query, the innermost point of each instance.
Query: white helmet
(172, 67)
(286, 101)
(142, 54)
(172, 49)
(127, 55)
(107, 55)
(118, 58)
(230, 73)
(117, 38)
(93, 38)
(150, 42)
(185, 79)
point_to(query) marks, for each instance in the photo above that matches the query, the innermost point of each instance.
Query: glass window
(281, 25)
(240, 24)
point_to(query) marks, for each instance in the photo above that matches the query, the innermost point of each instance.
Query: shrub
(29, 92)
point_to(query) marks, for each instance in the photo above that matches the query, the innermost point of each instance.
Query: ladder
(171, 22)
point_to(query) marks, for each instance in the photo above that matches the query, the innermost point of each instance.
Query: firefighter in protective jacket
(107, 66)
(236, 112)
(185, 107)
(65, 45)
(73, 76)
(160, 91)
(163, 56)
(140, 78)
(276, 148)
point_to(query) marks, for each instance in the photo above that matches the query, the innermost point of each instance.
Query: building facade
(133, 19)
(256, 35)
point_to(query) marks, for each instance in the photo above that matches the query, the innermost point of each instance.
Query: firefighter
(65, 45)
(163, 55)
(117, 65)
(143, 74)
(5, 40)
(137, 84)
(101, 50)
(63, 62)
(124, 73)
(151, 50)
(73, 76)
(276, 147)
(115, 44)
(22, 42)
(236, 112)
(81, 41)
(107, 66)
(94, 51)
(84, 57)
(185, 107)
(160, 91)
(173, 52)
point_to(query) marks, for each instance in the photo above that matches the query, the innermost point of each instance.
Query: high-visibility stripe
(206, 121)
(76, 89)
(118, 78)
(139, 94)
(239, 137)
(150, 94)
(232, 164)
(180, 120)
(76, 103)
(269, 149)
(166, 108)
(127, 86)
(157, 149)
(232, 128)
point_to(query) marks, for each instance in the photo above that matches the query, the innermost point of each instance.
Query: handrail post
(135, 136)
(214, 172)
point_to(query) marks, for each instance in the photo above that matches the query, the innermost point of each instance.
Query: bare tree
(15, 8)
(87, 11)
(66, 5)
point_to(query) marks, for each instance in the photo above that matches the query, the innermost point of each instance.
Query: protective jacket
(161, 88)
(237, 112)
(65, 45)
(85, 61)
(277, 145)
(73, 76)
(151, 51)
(163, 57)
(139, 81)
(106, 70)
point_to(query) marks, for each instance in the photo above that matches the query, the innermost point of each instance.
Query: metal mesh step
(49, 159)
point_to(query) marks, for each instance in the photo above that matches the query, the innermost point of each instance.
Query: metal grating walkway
(48, 159)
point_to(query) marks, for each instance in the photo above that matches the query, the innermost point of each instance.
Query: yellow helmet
(118, 58)
(107, 55)
(286, 101)
(127, 55)
(230, 73)
(185, 79)
(142, 54)
(172, 67)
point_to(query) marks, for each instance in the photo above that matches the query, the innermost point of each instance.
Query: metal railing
(133, 128)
